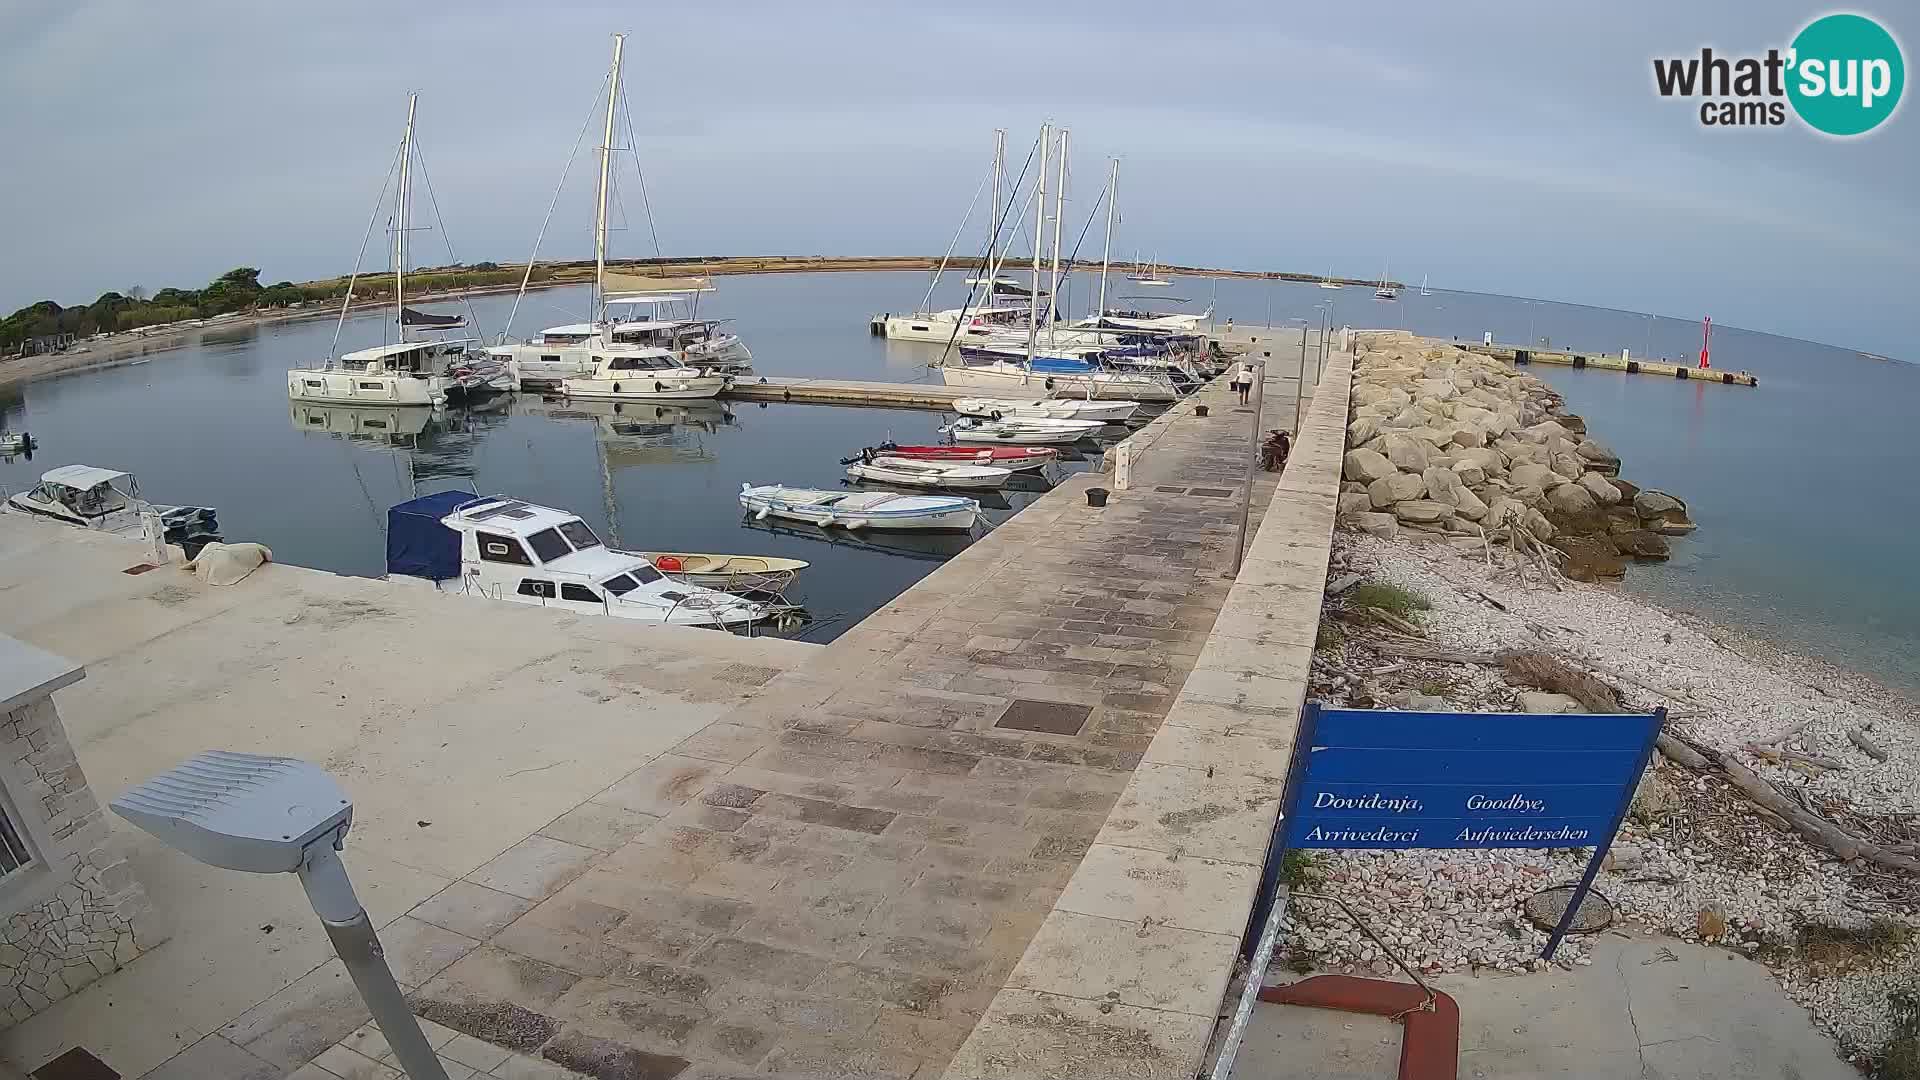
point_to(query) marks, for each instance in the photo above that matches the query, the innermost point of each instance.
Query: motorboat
(1037, 430)
(500, 548)
(16, 442)
(746, 575)
(1112, 412)
(932, 474)
(859, 509)
(1016, 458)
(109, 501)
(638, 373)
(699, 342)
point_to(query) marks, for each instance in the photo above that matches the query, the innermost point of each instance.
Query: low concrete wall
(1127, 975)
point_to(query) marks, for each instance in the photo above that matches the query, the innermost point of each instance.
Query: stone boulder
(1445, 486)
(1530, 475)
(1568, 466)
(1537, 524)
(1503, 511)
(1469, 436)
(1406, 453)
(1469, 473)
(1662, 512)
(1355, 504)
(1597, 453)
(1545, 430)
(1490, 461)
(1384, 526)
(1351, 487)
(1603, 493)
(1397, 488)
(1362, 430)
(1365, 466)
(1641, 544)
(1421, 511)
(1572, 500)
(1540, 701)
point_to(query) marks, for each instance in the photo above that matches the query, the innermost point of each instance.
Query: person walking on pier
(1243, 381)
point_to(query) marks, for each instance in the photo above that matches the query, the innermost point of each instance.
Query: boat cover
(410, 317)
(417, 544)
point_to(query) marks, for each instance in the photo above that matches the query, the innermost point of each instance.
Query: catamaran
(633, 360)
(405, 372)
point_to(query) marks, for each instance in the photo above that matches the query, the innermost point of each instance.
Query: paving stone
(605, 1059)
(1131, 885)
(418, 950)
(834, 815)
(488, 975)
(347, 1065)
(616, 1011)
(661, 785)
(663, 980)
(213, 1057)
(471, 1052)
(846, 1058)
(886, 986)
(757, 962)
(598, 826)
(563, 949)
(534, 868)
(472, 910)
(312, 1013)
(722, 742)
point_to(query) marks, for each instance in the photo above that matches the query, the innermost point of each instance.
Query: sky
(1514, 148)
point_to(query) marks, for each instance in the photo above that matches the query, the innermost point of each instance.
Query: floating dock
(1610, 362)
(886, 395)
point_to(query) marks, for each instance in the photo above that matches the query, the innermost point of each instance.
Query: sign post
(1400, 780)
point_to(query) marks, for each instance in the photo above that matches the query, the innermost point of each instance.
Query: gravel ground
(1697, 860)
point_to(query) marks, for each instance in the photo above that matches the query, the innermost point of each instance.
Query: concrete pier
(892, 395)
(1612, 362)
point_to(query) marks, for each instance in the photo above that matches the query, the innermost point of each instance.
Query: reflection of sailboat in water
(421, 438)
(392, 426)
(926, 546)
(642, 432)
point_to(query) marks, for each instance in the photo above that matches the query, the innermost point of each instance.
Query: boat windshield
(622, 584)
(579, 535)
(548, 544)
(90, 502)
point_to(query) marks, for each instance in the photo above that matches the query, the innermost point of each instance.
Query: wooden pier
(886, 395)
(1610, 362)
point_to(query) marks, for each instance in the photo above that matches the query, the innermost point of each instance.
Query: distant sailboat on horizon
(1385, 291)
(1328, 282)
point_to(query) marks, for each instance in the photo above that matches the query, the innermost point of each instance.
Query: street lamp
(1647, 351)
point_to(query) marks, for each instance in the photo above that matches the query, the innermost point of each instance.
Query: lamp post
(1647, 349)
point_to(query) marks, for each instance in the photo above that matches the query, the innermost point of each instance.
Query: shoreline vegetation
(133, 323)
(1780, 819)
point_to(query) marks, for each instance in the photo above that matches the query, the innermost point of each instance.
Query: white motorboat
(1112, 412)
(931, 474)
(859, 509)
(109, 501)
(16, 442)
(504, 549)
(1031, 430)
(401, 373)
(638, 373)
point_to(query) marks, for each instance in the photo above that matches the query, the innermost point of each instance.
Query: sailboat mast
(403, 196)
(606, 171)
(1106, 250)
(992, 266)
(1039, 225)
(1059, 219)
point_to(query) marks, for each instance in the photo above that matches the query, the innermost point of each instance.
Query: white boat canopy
(81, 477)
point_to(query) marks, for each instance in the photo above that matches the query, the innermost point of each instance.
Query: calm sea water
(1804, 488)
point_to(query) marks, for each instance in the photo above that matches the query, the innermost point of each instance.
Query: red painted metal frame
(1430, 1046)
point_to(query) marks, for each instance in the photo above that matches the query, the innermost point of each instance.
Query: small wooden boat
(1017, 458)
(860, 509)
(1112, 412)
(1024, 429)
(739, 574)
(938, 474)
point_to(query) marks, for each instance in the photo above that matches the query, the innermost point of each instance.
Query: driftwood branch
(1867, 746)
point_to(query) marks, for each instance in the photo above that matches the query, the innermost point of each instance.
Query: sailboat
(407, 372)
(1152, 276)
(1328, 282)
(1051, 371)
(971, 322)
(594, 360)
(1424, 291)
(1385, 291)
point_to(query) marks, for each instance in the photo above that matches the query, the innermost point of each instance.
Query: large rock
(1540, 701)
(1603, 493)
(1355, 504)
(1406, 453)
(1537, 524)
(1444, 485)
(1467, 435)
(1503, 511)
(1417, 511)
(1469, 473)
(1641, 544)
(1385, 526)
(1491, 461)
(1365, 466)
(1572, 500)
(1362, 430)
(1568, 465)
(1397, 488)
(1662, 512)
(1470, 506)
(1531, 475)
(1545, 430)
(1597, 453)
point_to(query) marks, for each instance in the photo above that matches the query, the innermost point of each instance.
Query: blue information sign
(1464, 780)
(1387, 779)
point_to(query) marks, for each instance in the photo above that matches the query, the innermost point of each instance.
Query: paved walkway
(836, 878)
(1648, 1007)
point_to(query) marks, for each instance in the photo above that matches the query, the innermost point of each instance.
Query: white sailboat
(1385, 291)
(1328, 282)
(972, 322)
(1424, 291)
(649, 360)
(1151, 277)
(403, 373)
(1053, 372)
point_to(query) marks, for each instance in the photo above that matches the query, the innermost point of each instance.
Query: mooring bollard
(1097, 496)
(1200, 410)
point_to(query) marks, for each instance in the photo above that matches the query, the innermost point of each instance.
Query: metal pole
(1039, 227)
(403, 195)
(1253, 455)
(351, 932)
(1579, 896)
(1299, 383)
(1106, 251)
(606, 170)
